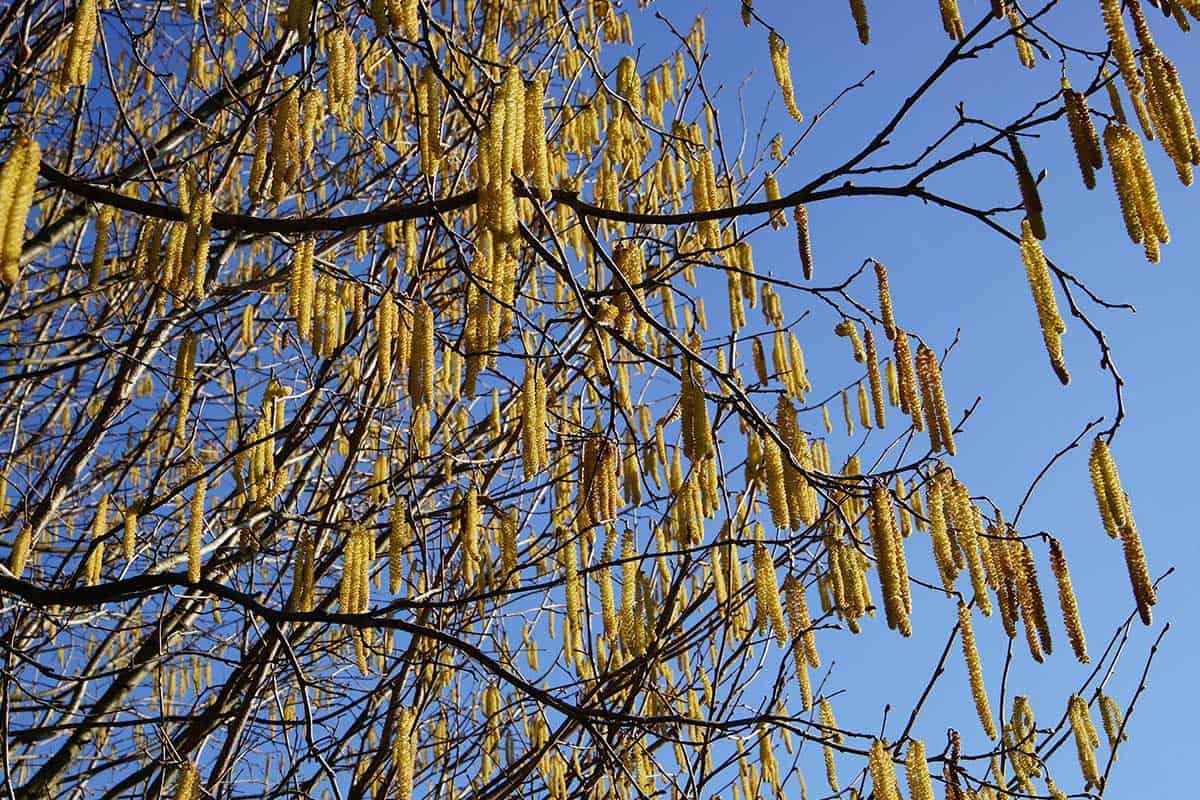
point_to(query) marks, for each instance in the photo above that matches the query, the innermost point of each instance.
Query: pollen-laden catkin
(804, 241)
(404, 752)
(1029, 595)
(1086, 739)
(19, 557)
(1122, 49)
(1053, 327)
(385, 335)
(129, 532)
(1154, 226)
(858, 9)
(885, 301)
(429, 121)
(196, 522)
(906, 376)
(799, 622)
(875, 379)
(421, 366)
(1111, 717)
(975, 670)
(399, 536)
(776, 486)
(693, 416)
(537, 159)
(937, 413)
(951, 20)
(17, 179)
(771, 187)
(1083, 134)
(1067, 602)
(783, 74)
(830, 735)
(1106, 483)
(889, 558)
(849, 330)
(534, 450)
(285, 145)
(188, 787)
(1025, 53)
(1030, 198)
(1135, 563)
(77, 65)
(916, 771)
(298, 18)
(883, 772)
(766, 591)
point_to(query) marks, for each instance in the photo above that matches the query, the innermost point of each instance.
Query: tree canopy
(393, 407)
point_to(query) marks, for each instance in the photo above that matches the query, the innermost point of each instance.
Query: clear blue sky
(949, 272)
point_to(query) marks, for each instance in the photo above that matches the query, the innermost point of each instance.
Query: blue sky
(949, 273)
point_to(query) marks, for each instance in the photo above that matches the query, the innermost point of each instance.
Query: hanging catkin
(858, 9)
(1083, 134)
(937, 413)
(17, 179)
(1067, 602)
(975, 671)
(77, 65)
(783, 74)
(1051, 322)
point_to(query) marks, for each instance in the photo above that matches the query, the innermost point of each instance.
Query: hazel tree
(394, 408)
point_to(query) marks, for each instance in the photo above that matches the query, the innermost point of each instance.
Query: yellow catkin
(1106, 483)
(1084, 138)
(536, 154)
(849, 330)
(951, 20)
(104, 220)
(906, 375)
(188, 787)
(1122, 49)
(846, 413)
(196, 524)
(783, 74)
(1124, 179)
(858, 9)
(1154, 226)
(875, 379)
(975, 671)
(1067, 602)
(77, 65)
(830, 736)
(1110, 715)
(883, 772)
(776, 487)
(916, 771)
(1086, 739)
(21, 548)
(799, 622)
(885, 301)
(404, 752)
(937, 413)
(129, 533)
(889, 557)
(1025, 52)
(804, 241)
(1035, 606)
(1051, 322)
(17, 179)
(766, 591)
(421, 367)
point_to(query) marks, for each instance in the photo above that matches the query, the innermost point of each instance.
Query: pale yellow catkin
(196, 524)
(1067, 602)
(937, 413)
(951, 19)
(77, 65)
(916, 771)
(766, 590)
(975, 671)
(21, 548)
(875, 379)
(783, 74)
(883, 772)
(1038, 273)
(18, 177)
(804, 241)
